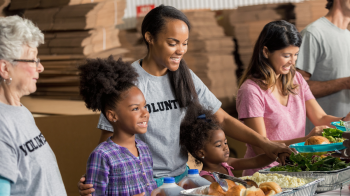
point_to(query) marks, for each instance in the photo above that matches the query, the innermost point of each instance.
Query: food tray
(305, 190)
(342, 128)
(301, 147)
(331, 178)
(334, 186)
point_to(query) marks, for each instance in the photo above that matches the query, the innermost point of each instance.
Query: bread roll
(215, 188)
(315, 140)
(253, 191)
(270, 188)
(238, 190)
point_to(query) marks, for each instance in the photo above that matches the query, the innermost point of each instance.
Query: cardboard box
(72, 139)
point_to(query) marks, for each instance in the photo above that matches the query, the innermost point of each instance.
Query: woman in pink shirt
(273, 98)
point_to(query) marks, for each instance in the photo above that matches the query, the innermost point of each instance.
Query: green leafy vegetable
(341, 123)
(336, 133)
(333, 135)
(288, 168)
(330, 138)
(311, 162)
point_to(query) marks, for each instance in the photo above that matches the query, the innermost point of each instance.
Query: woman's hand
(85, 189)
(276, 149)
(282, 158)
(317, 131)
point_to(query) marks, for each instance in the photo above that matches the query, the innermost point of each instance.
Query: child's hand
(84, 189)
(141, 194)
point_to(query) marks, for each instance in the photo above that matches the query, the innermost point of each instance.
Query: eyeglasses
(28, 61)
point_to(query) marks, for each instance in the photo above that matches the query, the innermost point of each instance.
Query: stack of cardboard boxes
(132, 40)
(210, 56)
(248, 23)
(309, 11)
(84, 29)
(74, 30)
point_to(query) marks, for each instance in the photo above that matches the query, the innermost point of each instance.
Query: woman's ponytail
(183, 86)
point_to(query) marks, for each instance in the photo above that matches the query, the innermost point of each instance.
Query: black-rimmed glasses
(28, 61)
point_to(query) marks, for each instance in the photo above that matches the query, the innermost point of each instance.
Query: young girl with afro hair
(122, 165)
(203, 138)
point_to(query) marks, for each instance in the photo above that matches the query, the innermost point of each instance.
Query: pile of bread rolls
(264, 189)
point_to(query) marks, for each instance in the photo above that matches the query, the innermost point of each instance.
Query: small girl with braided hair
(122, 165)
(202, 137)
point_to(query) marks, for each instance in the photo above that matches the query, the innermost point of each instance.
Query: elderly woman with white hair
(28, 165)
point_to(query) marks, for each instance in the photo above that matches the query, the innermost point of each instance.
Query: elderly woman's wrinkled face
(25, 74)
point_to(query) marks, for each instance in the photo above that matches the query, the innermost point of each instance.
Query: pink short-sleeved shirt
(281, 122)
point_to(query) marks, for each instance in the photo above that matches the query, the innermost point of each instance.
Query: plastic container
(336, 124)
(169, 188)
(300, 147)
(193, 180)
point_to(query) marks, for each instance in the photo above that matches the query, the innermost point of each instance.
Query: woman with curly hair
(274, 99)
(122, 165)
(203, 138)
(169, 87)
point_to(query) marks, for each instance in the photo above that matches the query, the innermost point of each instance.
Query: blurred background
(221, 43)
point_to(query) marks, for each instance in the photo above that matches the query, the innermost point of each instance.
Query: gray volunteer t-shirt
(163, 133)
(25, 156)
(325, 54)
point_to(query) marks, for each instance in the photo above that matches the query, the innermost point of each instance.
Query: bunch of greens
(341, 123)
(333, 135)
(311, 162)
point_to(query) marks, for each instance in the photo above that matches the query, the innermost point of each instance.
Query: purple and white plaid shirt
(113, 170)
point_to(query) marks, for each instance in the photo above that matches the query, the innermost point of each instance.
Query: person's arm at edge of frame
(5, 186)
(237, 130)
(318, 116)
(324, 88)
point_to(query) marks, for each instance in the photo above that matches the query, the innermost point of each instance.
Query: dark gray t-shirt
(325, 54)
(163, 133)
(26, 158)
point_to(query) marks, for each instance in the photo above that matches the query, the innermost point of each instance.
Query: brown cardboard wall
(72, 138)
